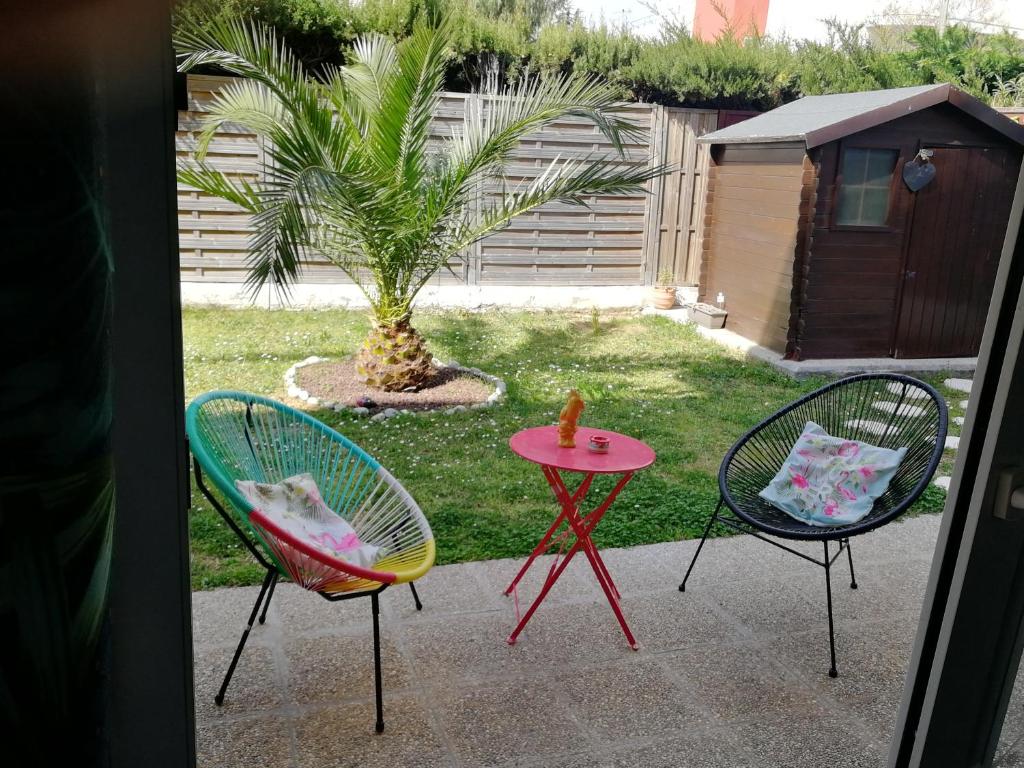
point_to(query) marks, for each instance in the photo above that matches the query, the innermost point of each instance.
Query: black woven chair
(886, 410)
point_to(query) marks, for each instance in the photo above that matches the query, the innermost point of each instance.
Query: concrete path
(730, 674)
(828, 367)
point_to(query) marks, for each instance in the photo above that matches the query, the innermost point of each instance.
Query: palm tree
(350, 172)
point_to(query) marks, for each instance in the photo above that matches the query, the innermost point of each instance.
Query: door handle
(1009, 501)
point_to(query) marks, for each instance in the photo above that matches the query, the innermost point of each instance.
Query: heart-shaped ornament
(917, 175)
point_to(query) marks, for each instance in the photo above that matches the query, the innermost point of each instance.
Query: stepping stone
(874, 427)
(958, 420)
(942, 482)
(901, 410)
(960, 385)
(911, 393)
(952, 442)
(963, 404)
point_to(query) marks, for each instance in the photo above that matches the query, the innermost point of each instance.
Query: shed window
(866, 177)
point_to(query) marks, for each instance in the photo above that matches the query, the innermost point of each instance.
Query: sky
(795, 18)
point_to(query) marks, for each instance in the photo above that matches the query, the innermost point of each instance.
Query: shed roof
(817, 120)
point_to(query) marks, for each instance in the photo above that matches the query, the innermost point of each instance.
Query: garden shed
(862, 224)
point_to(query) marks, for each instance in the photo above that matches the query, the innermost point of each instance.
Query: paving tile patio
(259, 683)
(338, 736)
(729, 673)
(266, 741)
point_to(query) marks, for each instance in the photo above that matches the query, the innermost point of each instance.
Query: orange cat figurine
(567, 420)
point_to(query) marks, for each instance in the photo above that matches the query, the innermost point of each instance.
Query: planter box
(707, 315)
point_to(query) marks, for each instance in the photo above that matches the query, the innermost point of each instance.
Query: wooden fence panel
(213, 234)
(615, 240)
(601, 244)
(681, 202)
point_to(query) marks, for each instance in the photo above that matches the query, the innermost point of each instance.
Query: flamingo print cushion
(831, 481)
(295, 504)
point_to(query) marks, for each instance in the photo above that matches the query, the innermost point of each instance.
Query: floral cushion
(831, 481)
(295, 504)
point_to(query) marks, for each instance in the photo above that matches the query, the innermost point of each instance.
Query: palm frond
(569, 182)
(421, 60)
(219, 184)
(366, 80)
(278, 243)
(245, 48)
(490, 134)
(398, 126)
(247, 103)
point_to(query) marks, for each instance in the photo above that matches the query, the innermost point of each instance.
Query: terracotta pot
(663, 297)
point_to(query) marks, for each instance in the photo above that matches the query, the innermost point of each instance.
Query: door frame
(151, 719)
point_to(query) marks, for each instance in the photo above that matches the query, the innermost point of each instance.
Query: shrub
(499, 40)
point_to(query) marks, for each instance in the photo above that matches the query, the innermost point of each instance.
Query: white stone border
(294, 390)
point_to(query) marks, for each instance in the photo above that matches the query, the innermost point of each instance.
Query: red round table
(626, 455)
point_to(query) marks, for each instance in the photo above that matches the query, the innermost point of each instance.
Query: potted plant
(663, 292)
(707, 315)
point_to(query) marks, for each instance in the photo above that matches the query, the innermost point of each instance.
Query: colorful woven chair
(237, 436)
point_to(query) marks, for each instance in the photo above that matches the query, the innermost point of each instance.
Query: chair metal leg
(376, 663)
(831, 626)
(849, 556)
(419, 605)
(707, 530)
(266, 604)
(267, 581)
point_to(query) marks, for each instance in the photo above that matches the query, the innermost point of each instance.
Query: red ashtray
(599, 443)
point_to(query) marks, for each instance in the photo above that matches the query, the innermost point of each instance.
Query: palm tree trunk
(394, 357)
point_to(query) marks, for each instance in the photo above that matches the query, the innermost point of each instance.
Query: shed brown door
(955, 241)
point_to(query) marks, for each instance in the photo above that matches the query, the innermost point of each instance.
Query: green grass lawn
(644, 376)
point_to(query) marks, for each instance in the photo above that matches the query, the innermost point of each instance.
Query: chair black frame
(748, 466)
(267, 592)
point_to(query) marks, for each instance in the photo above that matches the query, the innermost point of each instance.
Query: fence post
(653, 203)
(473, 267)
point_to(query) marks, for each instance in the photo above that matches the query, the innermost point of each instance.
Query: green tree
(500, 40)
(350, 171)
(975, 62)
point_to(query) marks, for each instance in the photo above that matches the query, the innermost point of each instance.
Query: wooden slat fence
(677, 223)
(619, 240)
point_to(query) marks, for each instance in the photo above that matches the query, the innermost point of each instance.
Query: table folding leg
(579, 527)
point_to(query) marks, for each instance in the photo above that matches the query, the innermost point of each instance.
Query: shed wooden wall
(853, 279)
(758, 198)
